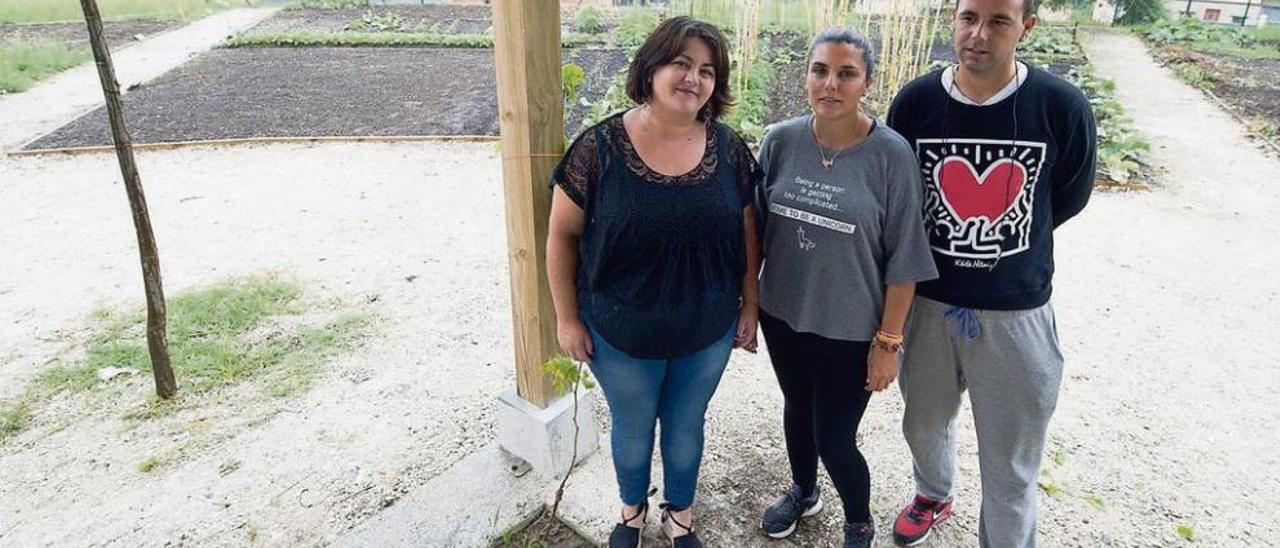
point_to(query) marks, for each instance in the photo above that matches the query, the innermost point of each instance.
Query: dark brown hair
(664, 45)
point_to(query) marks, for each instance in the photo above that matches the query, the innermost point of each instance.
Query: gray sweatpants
(1013, 370)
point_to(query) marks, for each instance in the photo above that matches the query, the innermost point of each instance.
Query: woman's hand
(882, 368)
(574, 339)
(745, 337)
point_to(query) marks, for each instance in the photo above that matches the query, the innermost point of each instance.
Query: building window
(1212, 14)
(1237, 19)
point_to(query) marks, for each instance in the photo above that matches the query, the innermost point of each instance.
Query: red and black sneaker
(918, 519)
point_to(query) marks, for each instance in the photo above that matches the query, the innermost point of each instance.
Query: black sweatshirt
(993, 192)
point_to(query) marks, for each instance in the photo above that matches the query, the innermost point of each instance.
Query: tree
(158, 347)
(1139, 12)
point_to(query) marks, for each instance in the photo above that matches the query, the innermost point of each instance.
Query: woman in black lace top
(652, 259)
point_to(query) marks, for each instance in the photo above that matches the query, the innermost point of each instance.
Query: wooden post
(166, 386)
(526, 37)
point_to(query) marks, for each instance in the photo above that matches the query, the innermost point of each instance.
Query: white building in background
(1231, 12)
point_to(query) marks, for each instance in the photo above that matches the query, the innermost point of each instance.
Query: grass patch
(1264, 128)
(13, 417)
(148, 465)
(385, 39)
(46, 11)
(24, 63)
(1186, 532)
(1245, 52)
(206, 331)
(244, 330)
(1268, 33)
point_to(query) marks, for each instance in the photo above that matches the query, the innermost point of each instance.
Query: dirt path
(1168, 316)
(410, 234)
(61, 98)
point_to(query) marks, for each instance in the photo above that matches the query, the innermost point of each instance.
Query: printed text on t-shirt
(820, 195)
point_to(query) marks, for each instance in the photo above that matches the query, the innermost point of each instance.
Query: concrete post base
(544, 437)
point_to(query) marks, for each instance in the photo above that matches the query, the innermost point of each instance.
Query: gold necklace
(822, 150)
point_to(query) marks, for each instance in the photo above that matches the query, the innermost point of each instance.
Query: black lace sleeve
(579, 169)
(748, 170)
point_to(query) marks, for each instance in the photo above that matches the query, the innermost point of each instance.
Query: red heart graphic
(990, 195)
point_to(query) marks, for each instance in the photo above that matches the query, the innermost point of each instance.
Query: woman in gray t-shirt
(844, 245)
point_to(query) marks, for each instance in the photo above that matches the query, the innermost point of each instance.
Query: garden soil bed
(314, 92)
(346, 92)
(1251, 87)
(118, 33)
(545, 532)
(443, 19)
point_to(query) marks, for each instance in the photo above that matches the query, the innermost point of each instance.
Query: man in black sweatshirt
(1007, 155)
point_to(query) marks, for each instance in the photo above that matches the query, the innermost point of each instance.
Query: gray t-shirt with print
(834, 237)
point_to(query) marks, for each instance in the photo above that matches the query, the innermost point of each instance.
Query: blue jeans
(642, 392)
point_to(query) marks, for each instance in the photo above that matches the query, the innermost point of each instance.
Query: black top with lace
(661, 258)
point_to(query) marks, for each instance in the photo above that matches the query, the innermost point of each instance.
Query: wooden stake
(527, 49)
(166, 386)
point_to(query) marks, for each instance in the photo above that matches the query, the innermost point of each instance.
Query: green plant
(13, 418)
(1186, 532)
(1196, 75)
(151, 463)
(752, 75)
(1120, 149)
(1269, 33)
(572, 77)
(440, 27)
(635, 27)
(589, 19)
(1140, 12)
(615, 98)
(906, 40)
(379, 23)
(1096, 501)
(1187, 30)
(331, 4)
(1050, 487)
(1264, 128)
(751, 94)
(381, 39)
(567, 376)
(1047, 45)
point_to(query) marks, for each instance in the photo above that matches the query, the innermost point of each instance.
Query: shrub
(589, 20)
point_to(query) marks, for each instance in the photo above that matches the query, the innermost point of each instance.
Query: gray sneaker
(858, 535)
(780, 518)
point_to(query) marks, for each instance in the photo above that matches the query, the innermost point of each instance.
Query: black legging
(824, 388)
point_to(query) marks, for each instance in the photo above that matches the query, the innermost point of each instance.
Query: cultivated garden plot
(299, 86)
(439, 19)
(119, 34)
(1249, 87)
(314, 92)
(1240, 67)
